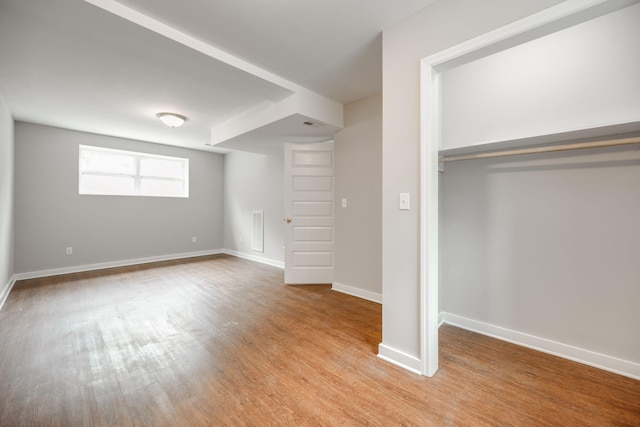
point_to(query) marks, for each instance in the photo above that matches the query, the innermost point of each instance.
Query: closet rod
(547, 149)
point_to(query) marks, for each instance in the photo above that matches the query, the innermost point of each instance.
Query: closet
(539, 191)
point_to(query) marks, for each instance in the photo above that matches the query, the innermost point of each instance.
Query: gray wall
(254, 182)
(6, 197)
(549, 85)
(50, 215)
(547, 245)
(358, 178)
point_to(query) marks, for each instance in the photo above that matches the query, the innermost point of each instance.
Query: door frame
(548, 21)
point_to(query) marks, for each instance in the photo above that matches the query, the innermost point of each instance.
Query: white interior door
(309, 228)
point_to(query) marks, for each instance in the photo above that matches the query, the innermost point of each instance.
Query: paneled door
(309, 220)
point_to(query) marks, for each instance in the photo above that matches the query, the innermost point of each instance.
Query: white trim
(441, 318)
(512, 30)
(136, 261)
(576, 354)
(250, 257)
(357, 292)
(429, 201)
(112, 264)
(399, 358)
(430, 128)
(7, 290)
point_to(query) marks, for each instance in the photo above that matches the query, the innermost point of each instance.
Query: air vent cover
(257, 231)
(313, 124)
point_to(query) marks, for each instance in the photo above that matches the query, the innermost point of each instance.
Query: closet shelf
(602, 136)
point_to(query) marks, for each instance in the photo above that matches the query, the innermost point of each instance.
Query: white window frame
(137, 177)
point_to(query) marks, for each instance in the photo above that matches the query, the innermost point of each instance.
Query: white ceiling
(245, 73)
(333, 47)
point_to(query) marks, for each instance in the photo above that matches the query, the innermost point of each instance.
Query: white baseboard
(580, 355)
(112, 264)
(441, 319)
(250, 257)
(6, 290)
(399, 358)
(357, 292)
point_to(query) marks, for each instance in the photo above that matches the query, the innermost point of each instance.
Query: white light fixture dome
(172, 120)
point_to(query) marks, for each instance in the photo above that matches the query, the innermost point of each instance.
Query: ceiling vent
(313, 124)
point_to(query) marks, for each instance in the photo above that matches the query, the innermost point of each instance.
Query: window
(125, 173)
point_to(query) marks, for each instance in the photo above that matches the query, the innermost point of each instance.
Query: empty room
(419, 212)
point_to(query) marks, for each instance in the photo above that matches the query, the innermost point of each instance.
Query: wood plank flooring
(221, 341)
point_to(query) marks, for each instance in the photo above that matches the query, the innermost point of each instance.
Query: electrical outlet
(240, 239)
(194, 239)
(344, 203)
(69, 250)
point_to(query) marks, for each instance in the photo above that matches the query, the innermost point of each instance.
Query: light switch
(344, 203)
(404, 201)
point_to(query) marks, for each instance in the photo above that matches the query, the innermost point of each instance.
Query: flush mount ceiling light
(172, 120)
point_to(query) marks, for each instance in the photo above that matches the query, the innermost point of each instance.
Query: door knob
(288, 220)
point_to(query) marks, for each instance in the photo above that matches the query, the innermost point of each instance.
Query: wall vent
(257, 231)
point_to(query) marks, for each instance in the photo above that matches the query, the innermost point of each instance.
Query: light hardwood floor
(221, 341)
